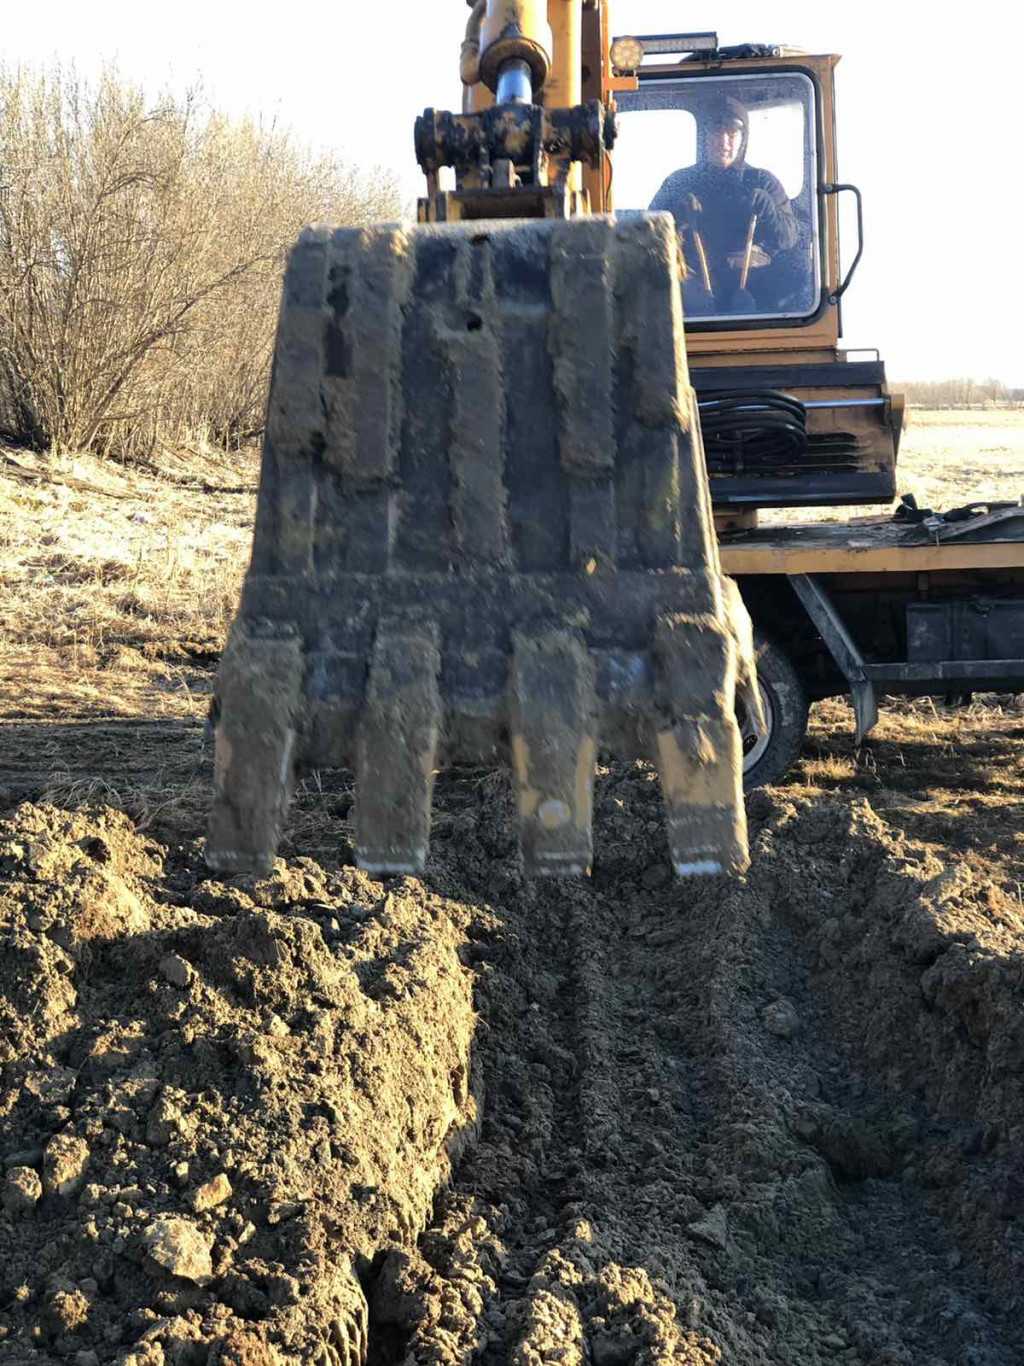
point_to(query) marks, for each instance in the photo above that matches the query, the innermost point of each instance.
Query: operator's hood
(725, 108)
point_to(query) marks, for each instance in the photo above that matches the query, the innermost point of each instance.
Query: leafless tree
(963, 392)
(141, 247)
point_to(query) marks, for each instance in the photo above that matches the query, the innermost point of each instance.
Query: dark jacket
(725, 208)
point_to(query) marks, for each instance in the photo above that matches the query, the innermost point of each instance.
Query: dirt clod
(175, 970)
(781, 1019)
(712, 1229)
(22, 1190)
(177, 1246)
(211, 1194)
(65, 1159)
(949, 883)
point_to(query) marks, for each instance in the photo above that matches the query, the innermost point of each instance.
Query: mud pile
(212, 1105)
(774, 1120)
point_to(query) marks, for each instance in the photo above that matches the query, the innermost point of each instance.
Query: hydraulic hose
(755, 430)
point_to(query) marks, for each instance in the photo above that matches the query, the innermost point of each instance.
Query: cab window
(733, 159)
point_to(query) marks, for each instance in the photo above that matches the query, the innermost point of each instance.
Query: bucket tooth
(397, 749)
(260, 686)
(697, 746)
(554, 749)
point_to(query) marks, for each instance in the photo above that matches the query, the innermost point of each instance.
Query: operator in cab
(733, 219)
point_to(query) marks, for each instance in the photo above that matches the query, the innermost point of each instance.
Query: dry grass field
(118, 585)
(950, 458)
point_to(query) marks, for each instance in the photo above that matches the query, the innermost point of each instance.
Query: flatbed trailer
(873, 607)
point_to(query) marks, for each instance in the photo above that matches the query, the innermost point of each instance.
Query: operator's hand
(690, 211)
(761, 203)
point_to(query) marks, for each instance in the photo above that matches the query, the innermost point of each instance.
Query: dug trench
(773, 1120)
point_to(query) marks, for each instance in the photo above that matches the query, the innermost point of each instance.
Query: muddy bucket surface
(483, 534)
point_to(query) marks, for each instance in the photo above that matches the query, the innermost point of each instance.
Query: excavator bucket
(483, 533)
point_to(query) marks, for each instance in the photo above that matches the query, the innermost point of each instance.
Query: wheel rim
(754, 745)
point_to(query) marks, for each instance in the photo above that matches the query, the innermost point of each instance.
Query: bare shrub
(141, 246)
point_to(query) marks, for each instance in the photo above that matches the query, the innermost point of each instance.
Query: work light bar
(628, 52)
(655, 44)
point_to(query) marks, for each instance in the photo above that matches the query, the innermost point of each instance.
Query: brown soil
(257, 1077)
(773, 1120)
(776, 1120)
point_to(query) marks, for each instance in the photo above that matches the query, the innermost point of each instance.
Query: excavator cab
(484, 528)
(680, 144)
(789, 419)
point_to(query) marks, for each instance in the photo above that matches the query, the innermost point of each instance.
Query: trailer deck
(881, 606)
(993, 540)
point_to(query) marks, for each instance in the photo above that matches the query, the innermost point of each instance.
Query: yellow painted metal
(735, 519)
(772, 353)
(789, 556)
(596, 73)
(826, 81)
(515, 30)
(476, 97)
(564, 89)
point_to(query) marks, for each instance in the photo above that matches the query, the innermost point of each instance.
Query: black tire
(785, 703)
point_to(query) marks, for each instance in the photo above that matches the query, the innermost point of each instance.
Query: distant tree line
(141, 247)
(960, 393)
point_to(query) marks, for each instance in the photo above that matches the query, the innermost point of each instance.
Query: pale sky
(929, 110)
